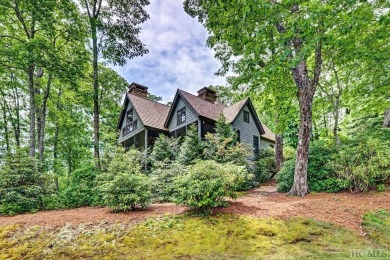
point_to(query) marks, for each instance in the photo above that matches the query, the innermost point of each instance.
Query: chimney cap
(136, 85)
(207, 89)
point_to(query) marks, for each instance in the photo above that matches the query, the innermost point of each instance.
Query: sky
(178, 56)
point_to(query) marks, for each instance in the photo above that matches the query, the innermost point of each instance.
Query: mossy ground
(218, 237)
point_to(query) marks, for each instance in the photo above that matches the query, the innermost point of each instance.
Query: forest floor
(260, 224)
(342, 209)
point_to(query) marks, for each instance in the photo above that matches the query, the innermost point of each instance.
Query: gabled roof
(151, 113)
(212, 111)
(231, 112)
(234, 110)
(202, 107)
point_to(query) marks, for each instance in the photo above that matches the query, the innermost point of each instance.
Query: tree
(115, 23)
(191, 148)
(267, 35)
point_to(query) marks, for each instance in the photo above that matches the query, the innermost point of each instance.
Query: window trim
(179, 120)
(128, 112)
(238, 135)
(129, 128)
(244, 113)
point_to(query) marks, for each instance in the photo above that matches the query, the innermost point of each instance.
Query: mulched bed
(344, 209)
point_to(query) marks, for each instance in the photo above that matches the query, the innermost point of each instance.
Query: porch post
(199, 129)
(146, 140)
(146, 147)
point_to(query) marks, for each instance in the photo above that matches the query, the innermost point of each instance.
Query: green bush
(81, 189)
(208, 183)
(320, 176)
(123, 187)
(20, 189)
(285, 177)
(264, 168)
(53, 201)
(363, 164)
(163, 181)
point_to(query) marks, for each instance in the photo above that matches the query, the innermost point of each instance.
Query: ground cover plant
(224, 236)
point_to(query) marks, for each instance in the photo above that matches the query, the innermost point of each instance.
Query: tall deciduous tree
(263, 35)
(114, 30)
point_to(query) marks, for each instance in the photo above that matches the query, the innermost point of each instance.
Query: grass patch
(216, 237)
(377, 227)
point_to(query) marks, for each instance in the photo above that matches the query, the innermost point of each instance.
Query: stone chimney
(207, 94)
(138, 90)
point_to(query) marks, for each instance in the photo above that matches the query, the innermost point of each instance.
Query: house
(142, 120)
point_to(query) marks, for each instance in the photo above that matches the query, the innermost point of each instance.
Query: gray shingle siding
(191, 116)
(265, 143)
(247, 130)
(140, 125)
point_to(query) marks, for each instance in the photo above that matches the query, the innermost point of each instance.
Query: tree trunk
(41, 143)
(5, 121)
(305, 97)
(32, 109)
(16, 122)
(386, 121)
(96, 132)
(55, 141)
(278, 152)
(336, 127)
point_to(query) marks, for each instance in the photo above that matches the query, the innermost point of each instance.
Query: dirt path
(343, 209)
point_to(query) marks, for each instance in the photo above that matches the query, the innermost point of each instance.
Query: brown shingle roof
(268, 133)
(202, 107)
(152, 114)
(232, 111)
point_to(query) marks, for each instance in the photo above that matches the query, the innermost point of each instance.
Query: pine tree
(164, 151)
(191, 148)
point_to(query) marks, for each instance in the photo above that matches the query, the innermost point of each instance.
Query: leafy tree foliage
(20, 184)
(116, 24)
(267, 43)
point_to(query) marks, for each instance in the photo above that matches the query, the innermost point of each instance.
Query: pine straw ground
(260, 224)
(342, 209)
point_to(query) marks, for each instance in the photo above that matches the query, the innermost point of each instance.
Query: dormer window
(246, 116)
(132, 126)
(129, 116)
(181, 116)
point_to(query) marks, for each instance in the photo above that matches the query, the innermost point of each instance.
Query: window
(238, 135)
(255, 144)
(181, 116)
(129, 128)
(129, 116)
(246, 116)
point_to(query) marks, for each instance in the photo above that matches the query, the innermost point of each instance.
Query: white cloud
(178, 56)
